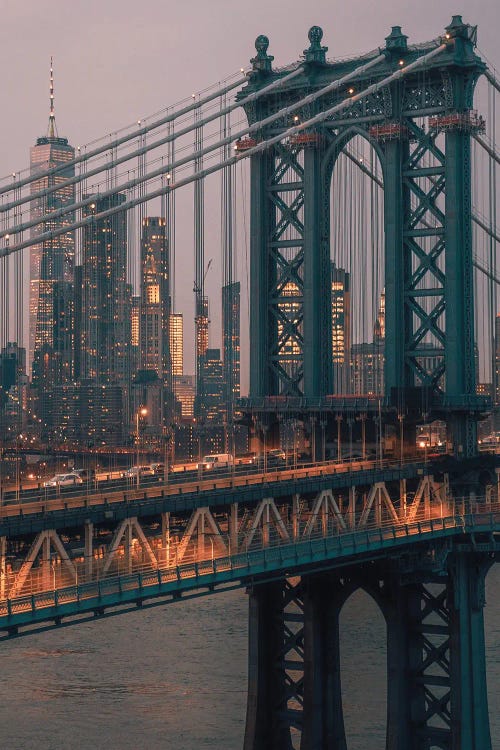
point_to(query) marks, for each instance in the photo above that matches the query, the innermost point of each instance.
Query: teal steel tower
(420, 127)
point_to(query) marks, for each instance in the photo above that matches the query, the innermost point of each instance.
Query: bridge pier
(436, 670)
(266, 725)
(469, 700)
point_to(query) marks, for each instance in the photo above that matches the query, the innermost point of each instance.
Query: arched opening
(357, 266)
(363, 658)
(354, 181)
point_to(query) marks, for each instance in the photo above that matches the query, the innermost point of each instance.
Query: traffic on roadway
(137, 484)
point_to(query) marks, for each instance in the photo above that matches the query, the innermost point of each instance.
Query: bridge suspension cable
(491, 78)
(152, 145)
(113, 144)
(488, 148)
(192, 155)
(200, 174)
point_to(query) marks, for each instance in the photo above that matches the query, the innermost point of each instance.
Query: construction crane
(198, 289)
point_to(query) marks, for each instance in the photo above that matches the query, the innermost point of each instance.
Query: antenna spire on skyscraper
(52, 130)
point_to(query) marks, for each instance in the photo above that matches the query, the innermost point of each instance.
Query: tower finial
(52, 130)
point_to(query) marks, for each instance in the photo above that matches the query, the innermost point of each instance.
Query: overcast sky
(119, 60)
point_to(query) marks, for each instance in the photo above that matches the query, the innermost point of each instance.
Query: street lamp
(141, 412)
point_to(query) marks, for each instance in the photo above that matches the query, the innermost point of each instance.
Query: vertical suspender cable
(201, 305)
(227, 229)
(492, 195)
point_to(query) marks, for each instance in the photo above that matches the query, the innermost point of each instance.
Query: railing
(164, 578)
(172, 485)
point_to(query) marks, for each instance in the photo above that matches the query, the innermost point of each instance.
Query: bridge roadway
(71, 507)
(80, 554)
(151, 586)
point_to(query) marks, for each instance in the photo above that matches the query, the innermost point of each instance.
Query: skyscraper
(341, 329)
(135, 328)
(50, 345)
(201, 333)
(176, 341)
(231, 341)
(106, 296)
(154, 308)
(212, 405)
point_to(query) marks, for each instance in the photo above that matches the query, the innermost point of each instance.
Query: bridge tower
(420, 126)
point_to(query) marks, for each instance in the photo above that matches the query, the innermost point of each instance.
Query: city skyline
(351, 226)
(86, 111)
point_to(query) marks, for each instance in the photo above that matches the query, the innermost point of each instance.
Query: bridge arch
(352, 184)
(363, 652)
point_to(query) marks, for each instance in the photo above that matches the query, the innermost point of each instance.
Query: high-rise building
(341, 329)
(106, 296)
(497, 361)
(211, 405)
(379, 327)
(367, 362)
(154, 308)
(12, 388)
(77, 322)
(176, 341)
(88, 413)
(50, 345)
(231, 342)
(201, 334)
(185, 393)
(135, 327)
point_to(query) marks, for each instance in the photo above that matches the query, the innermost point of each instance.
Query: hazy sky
(119, 60)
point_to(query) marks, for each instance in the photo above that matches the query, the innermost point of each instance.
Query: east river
(174, 678)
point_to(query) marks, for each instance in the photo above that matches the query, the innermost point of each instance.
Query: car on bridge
(274, 457)
(64, 480)
(217, 461)
(142, 471)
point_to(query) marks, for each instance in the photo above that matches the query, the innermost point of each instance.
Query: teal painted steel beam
(317, 345)
(261, 225)
(267, 563)
(396, 268)
(459, 295)
(469, 700)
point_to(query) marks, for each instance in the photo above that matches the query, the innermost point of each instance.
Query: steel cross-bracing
(420, 126)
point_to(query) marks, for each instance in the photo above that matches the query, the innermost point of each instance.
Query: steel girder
(436, 677)
(437, 694)
(429, 342)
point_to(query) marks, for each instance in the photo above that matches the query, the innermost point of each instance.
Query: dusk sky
(117, 61)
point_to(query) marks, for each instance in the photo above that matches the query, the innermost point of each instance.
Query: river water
(174, 678)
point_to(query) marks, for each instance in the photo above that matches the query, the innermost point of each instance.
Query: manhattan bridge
(381, 167)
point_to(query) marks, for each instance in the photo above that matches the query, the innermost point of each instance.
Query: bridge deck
(170, 583)
(67, 510)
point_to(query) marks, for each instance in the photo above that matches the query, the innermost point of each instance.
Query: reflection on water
(175, 677)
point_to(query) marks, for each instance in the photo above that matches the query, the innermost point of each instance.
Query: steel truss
(429, 336)
(208, 532)
(435, 655)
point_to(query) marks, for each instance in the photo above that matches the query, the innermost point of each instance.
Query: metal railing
(209, 481)
(274, 554)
